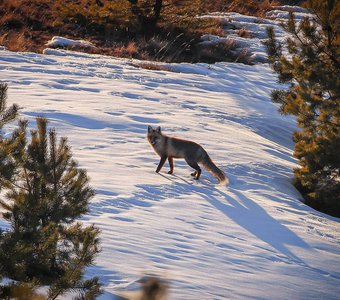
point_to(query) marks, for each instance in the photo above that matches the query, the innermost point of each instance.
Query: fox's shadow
(231, 201)
(245, 212)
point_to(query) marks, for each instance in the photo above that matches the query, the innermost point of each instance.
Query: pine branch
(88, 241)
(27, 180)
(16, 185)
(6, 115)
(291, 27)
(53, 158)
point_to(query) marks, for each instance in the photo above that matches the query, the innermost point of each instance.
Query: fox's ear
(158, 129)
(149, 129)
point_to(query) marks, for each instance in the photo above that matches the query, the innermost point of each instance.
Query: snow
(254, 239)
(291, 8)
(255, 27)
(284, 15)
(58, 41)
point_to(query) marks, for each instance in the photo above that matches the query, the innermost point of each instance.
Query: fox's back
(173, 147)
(180, 148)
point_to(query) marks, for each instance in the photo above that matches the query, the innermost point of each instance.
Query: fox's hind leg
(171, 163)
(194, 165)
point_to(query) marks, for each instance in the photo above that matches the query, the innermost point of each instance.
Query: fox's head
(154, 135)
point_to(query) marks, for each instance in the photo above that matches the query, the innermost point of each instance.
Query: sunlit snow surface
(58, 41)
(251, 240)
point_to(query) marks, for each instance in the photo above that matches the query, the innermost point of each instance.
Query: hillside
(120, 29)
(254, 239)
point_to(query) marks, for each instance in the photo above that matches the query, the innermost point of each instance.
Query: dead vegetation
(247, 7)
(118, 29)
(152, 66)
(243, 32)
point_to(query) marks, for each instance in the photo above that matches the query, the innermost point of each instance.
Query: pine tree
(311, 68)
(6, 114)
(44, 194)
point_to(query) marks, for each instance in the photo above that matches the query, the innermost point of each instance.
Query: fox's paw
(170, 172)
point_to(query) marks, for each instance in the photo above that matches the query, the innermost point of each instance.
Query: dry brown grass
(32, 13)
(210, 26)
(24, 24)
(20, 42)
(152, 66)
(222, 51)
(247, 7)
(252, 7)
(243, 32)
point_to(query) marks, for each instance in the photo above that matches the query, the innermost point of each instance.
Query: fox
(170, 147)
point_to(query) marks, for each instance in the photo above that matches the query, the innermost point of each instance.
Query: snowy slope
(256, 29)
(251, 240)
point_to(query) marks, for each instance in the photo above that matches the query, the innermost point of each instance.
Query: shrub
(312, 72)
(44, 191)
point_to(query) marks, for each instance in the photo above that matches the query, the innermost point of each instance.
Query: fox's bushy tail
(209, 165)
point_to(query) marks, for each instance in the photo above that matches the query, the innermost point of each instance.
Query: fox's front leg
(161, 163)
(171, 163)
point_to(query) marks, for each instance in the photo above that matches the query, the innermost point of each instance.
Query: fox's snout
(153, 139)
